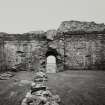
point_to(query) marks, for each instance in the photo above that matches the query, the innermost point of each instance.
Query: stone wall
(21, 54)
(84, 44)
(84, 51)
(76, 45)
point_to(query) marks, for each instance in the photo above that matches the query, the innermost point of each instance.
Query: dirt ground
(74, 87)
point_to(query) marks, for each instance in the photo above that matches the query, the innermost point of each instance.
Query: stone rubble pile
(39, 93)
(6, 75)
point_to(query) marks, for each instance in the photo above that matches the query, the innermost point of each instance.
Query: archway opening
(51, 66)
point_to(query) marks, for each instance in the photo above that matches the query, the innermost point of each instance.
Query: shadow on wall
(98, 66)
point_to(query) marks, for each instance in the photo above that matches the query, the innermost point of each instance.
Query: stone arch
(51, 60)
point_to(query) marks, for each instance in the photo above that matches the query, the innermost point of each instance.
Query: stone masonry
(75, 44)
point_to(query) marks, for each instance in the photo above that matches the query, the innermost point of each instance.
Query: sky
(20, 16)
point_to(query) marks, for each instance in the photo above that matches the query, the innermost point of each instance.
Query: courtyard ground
(74, 87)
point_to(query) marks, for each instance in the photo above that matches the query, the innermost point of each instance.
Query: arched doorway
(51, 66)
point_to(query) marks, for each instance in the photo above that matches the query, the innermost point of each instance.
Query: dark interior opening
(51, 52)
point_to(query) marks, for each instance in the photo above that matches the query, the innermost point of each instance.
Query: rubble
(6, 75)
(39, 93)
(77, 26)
(40, 77)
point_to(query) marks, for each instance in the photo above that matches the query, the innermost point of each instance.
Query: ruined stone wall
(22, 54)
(73, 51)
(84, 51)
(75, 45)
(84, 44)
(80, 51)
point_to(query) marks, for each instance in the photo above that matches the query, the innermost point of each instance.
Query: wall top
(65, 28)
(77, 26)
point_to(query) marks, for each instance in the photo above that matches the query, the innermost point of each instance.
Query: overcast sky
(18, 16)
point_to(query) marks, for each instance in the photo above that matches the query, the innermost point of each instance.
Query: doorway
(51, 64)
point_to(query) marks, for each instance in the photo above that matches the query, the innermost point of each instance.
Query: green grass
(74, 87)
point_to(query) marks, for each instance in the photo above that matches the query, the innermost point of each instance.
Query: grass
(74, 87)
